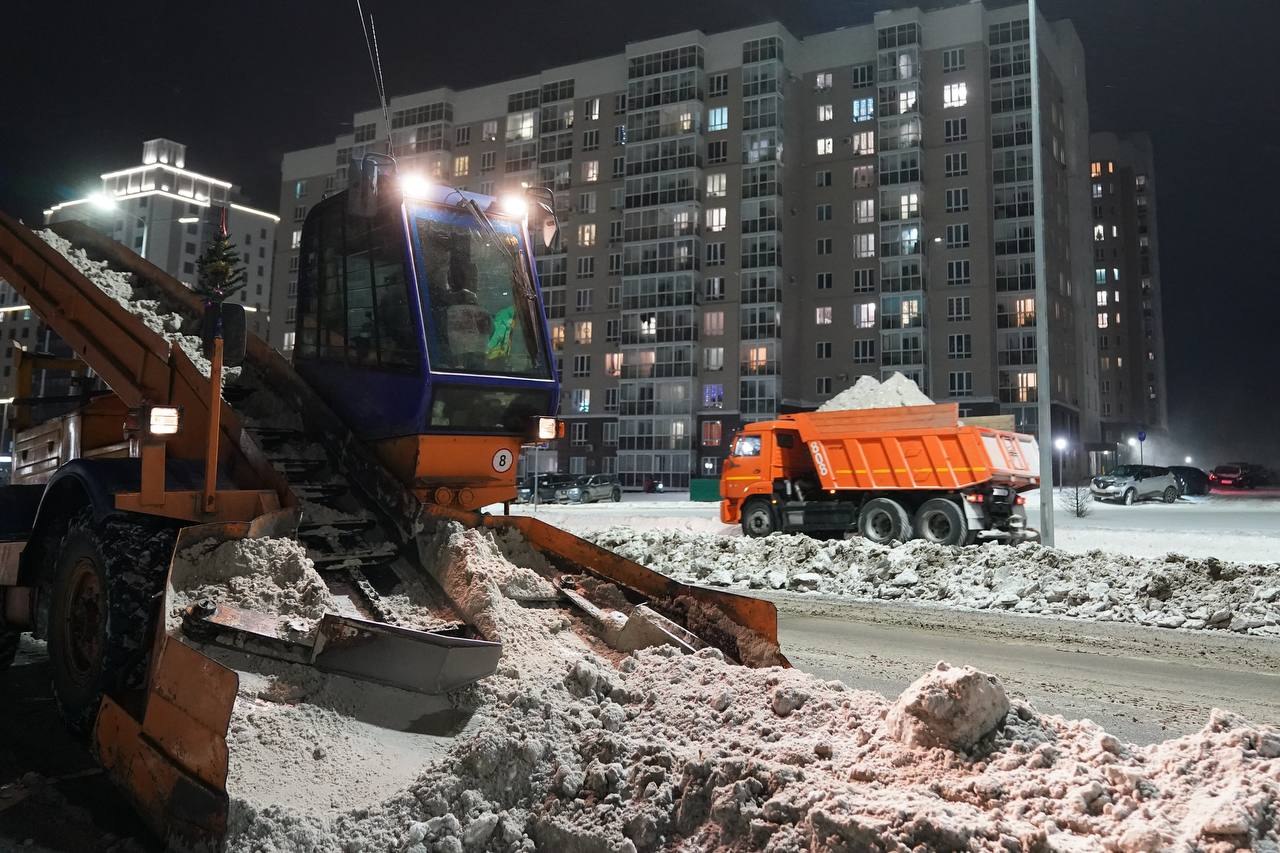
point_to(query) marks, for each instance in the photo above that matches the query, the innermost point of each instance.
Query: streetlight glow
(1187, 460)
(1133, 442)
(102, 202)
(1060, 443)
(188, 220)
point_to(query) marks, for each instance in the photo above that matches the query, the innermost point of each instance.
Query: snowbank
(870, 393)
(119, 286)
(574, 748)
(1169, 592)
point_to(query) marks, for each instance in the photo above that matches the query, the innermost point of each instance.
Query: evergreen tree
(220, 272)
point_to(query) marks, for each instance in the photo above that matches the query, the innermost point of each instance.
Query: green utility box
(704, 489)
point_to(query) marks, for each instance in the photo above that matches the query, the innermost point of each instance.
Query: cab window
(747, 445)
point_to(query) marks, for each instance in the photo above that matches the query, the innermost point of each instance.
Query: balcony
(665, 130)
(661, 265)
(899, 358)
(678, 335)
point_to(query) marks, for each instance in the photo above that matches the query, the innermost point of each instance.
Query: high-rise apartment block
(752, 220)
(1126, 273)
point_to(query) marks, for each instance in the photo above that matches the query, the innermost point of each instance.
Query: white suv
(1133, 483)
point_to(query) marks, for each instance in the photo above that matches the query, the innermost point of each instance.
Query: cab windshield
(747, 445)
(480, 319)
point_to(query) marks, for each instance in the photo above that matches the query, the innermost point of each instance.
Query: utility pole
(1044, 377)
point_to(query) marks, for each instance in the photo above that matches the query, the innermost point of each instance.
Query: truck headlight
(164, 420)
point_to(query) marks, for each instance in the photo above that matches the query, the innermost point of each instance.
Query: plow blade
(744, 628)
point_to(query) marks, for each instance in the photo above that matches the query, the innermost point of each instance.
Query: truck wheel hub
(938, 526)
(85, 618)
(881, 524)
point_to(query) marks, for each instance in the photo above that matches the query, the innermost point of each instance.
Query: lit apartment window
(822, 81)
(864, 177)
(1095, 170)
(712, 432)
(1102, 299)
(716, 217)
(713, 396)
(557, 336)
(955, 95)
(864, 143)
(718, 119)
(582, 400)
(520, 126)
(591, 171)
(299, 189)
(822, 315)
(824, 146)
(1099, 233)
(864, 315)
(864, 109)
(1102, 321)
(713, 323)
(591, 109)
(295, 240)
(587, 235)
(864, 245)
(613, 364)
(717, 185)
(825, 112)
(461, 165)
(1097, 190)
(489, 131)
(713, 288)
(864, 211)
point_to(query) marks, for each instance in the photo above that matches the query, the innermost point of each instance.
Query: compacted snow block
(948, 707)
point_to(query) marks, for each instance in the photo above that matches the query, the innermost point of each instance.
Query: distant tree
(219, 271)
(1076, 499)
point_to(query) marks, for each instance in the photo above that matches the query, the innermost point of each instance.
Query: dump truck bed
(913, 447)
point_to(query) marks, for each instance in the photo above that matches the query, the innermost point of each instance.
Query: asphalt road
(1142, 684)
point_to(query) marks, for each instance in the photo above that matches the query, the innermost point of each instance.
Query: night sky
(241, 82)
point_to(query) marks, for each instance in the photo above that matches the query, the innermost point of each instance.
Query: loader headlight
(164, 420)
(546, 429)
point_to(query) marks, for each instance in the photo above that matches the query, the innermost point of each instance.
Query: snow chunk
(870, 393)
(948, 707)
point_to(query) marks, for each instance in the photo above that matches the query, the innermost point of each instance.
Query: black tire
(1130, 497)
(1170, 494)
(882, 520)
(941, 522)
(758, 518)
(105, 578)
(8, 647)
(617, 495)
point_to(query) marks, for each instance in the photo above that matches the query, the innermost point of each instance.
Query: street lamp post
(1060, 444)
(1044, 380)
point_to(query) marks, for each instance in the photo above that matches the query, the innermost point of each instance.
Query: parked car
(1132, 483)
(586, 490)
(1238, 475)
(1191, 481)
(547, 486)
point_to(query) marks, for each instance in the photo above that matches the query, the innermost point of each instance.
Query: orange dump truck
(887, 474)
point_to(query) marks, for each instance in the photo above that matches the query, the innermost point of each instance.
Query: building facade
(1130, 325)
(751, 221)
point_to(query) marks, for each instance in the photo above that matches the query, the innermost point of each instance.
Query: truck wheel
(1130, 497)
(883, 520)
(8, 647)
(758, 518)
(105, 577)
(1170, 495)
(941, 522)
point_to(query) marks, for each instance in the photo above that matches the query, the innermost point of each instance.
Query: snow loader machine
(422, 364)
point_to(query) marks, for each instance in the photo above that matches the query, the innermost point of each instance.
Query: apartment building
(166, 213)
(752, 220)
(1130, 328)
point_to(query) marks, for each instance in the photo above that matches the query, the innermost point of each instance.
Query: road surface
(1142, 684)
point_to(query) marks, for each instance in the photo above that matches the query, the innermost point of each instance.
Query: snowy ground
(1237, 526)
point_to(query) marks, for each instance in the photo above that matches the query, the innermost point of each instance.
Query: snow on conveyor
(573, 748)
(1173, 591)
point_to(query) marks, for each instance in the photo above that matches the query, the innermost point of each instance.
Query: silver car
(597, 487)
(1132, 483)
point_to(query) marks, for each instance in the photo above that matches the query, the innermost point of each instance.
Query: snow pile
(1170, 592)
(870, 393)
(272, 576)
(575, 748)
(119, 286)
